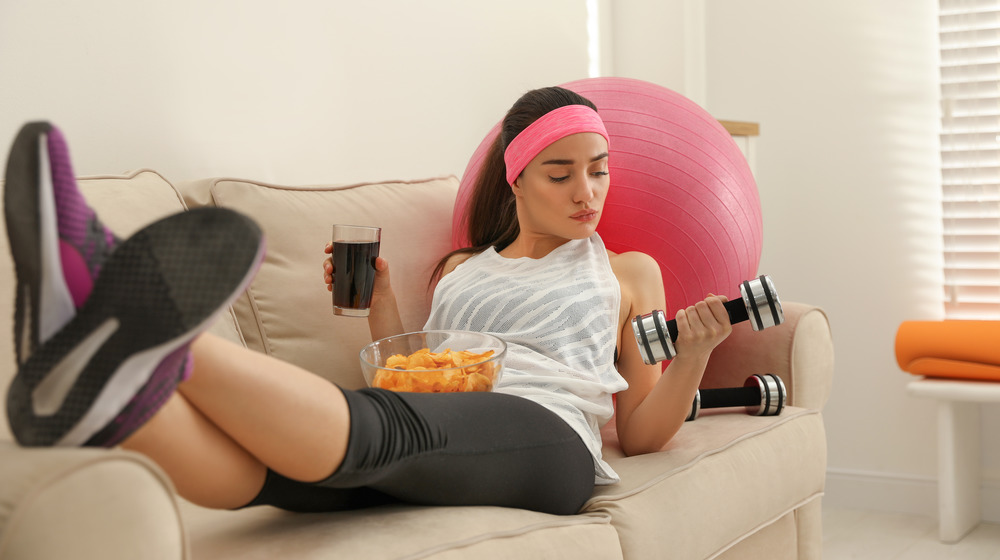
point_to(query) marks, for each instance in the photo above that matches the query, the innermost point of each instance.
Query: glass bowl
(390, 363)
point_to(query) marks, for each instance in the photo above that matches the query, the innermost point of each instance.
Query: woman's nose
(583, 191)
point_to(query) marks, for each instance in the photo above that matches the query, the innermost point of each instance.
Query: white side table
(959, 454)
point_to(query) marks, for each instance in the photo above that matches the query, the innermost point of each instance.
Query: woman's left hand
(702, 327)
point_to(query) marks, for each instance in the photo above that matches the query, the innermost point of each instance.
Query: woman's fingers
(328, 268)
(716, 306)
(683, 321)
(702, 326)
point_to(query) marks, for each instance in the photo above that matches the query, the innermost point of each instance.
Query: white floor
(864, 535)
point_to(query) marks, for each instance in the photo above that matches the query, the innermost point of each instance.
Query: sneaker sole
(156, 292)
(43, 302)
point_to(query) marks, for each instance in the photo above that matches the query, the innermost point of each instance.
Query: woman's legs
(294, 421)
(455, 449)
(451, 449)
(472, 449)
(240, 413)
(206, 466)
(244, 418)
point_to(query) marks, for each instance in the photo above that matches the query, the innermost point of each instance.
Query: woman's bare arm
(653, 408)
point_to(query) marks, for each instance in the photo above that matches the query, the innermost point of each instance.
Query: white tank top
(559, 317)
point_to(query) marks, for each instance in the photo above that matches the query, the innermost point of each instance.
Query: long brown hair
(491, 215)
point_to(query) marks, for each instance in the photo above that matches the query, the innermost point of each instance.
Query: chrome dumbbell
(762, 395)
(759, 304)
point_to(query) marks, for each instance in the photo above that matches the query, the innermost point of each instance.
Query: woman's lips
(584, 215)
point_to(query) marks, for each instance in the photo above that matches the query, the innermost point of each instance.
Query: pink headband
(552, 126)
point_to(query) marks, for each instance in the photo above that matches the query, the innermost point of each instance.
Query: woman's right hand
(383, 318)
(381, 289)
(328, 267)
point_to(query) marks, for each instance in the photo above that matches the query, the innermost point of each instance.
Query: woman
(245, 429)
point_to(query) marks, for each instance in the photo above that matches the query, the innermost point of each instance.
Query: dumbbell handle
(729, 397)
(762, 395)
(759, 304)
(736, 308)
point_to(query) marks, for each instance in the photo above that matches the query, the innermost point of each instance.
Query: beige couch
(728, 486)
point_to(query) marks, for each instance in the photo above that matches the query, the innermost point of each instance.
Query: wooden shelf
(737, 128)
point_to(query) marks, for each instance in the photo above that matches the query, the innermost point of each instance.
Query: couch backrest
(287, 311)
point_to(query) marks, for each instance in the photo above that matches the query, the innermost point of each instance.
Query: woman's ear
(515, 187)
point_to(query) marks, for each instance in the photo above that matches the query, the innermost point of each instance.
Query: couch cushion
(124, 203)
(720, 458)
(439, 533)
(287, 311)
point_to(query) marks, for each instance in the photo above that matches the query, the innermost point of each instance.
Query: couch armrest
(86, 503)
(799, 351)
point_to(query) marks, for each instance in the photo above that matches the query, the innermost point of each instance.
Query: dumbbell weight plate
(695, 407)
(651, 334)
(772, 390)
(762, 303)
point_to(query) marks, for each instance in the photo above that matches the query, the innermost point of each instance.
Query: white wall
(658, 41)
(849, 176)
(291, 92)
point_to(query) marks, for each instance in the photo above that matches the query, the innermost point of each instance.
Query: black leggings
(449, 449)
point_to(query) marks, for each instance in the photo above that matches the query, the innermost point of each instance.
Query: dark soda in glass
(353, 275)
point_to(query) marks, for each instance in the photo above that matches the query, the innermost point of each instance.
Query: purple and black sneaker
(57, 242)
(123, 345)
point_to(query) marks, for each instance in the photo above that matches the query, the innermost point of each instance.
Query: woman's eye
(599, 173)
(558, 179)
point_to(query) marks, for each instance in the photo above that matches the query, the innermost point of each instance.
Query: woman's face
(561, 192)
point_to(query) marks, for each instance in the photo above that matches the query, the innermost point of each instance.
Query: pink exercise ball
(681, 190)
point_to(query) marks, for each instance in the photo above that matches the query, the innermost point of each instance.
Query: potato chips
(425, 372)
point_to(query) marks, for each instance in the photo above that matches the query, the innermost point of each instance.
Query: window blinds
(970, 152)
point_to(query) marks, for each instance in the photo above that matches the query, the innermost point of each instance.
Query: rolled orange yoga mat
(951, 349)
